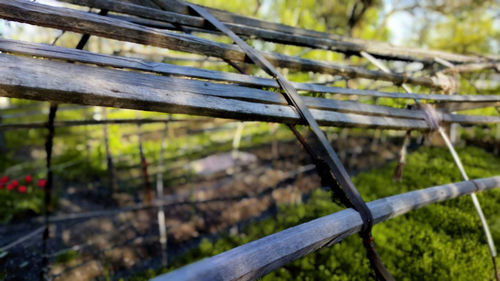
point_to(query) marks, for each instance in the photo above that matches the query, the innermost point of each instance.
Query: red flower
(1, 185)
(14, 183)
(28, 179)
(42, 183)
(10, 186)
(22, 189)
(4, 179)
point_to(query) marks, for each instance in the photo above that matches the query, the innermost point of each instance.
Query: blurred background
(227, 182)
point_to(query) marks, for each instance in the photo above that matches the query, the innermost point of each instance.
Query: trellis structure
(62, 75)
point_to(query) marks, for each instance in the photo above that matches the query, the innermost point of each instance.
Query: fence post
(88, 166)
(148, 198)
(109, 156)
(2, 137)
(237, 140)
(47, 205)
(159, 194)
(4, 103)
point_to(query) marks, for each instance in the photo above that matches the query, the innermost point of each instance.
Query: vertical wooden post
(398, 172)
(344, 132)
(497, 140)
(2, 137)
(237, 140)
(88, 166)
(4, 103)
(47, 206)
(497, 135)
(148, 197)
(159, 194)
(275, 149)
(109, 156)
(376, 134)
(454, 137)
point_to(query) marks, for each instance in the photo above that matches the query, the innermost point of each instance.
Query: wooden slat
(160, 17)
(79, 21)
(342, 43)
(71, 83)
(472, 67)
(39, 111)
(42, 50)
(146, 3)
(260, 257)
(47, 51)
(303, 38)
(470, 119)
(73, 123)
(460, 106)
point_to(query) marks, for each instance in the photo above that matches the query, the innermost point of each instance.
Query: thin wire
(23, 238)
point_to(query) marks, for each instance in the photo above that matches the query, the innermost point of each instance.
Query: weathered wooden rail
(82, 22)
(120, 89)
(176, 13)
(74, 123)
(52, 52)
(32, 79)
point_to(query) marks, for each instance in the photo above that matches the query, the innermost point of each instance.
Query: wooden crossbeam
(73, 123)
(47, 51)
(72, 83)
(177, 15)
(232, 91)
(250, 94)
(459, 106)
(336, 42)
(88, 23)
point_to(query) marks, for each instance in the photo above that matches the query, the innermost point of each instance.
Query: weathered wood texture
(460, 106)
(73, 123)
(257, 258)
(231, 91)
(47, 51)
(270, 31)
(79, 21)
(472, 67)
(38, 110)
(253, 104)
(339, 43)
(48, 80)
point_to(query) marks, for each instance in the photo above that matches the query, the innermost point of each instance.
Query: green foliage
(332, 16)
(467, 34)
(66, 256)
(466, 26)
(443, 241)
